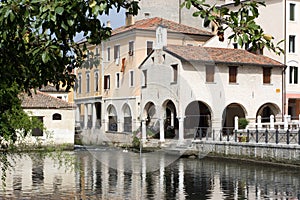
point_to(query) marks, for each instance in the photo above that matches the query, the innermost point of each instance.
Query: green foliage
(243, 123)
(37, 47)
(240, 20)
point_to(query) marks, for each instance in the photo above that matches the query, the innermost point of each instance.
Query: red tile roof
(52, 89)
(220, 55)
(40, 100)
(152, 23)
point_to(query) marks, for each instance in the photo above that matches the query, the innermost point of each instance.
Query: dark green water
(113, 174)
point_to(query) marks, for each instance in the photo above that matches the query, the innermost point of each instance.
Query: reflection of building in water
(118, 175)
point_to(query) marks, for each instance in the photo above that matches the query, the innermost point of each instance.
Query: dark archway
(171, 124)
(229, 113)
(112, 118)
(266, 110)
(197, 117)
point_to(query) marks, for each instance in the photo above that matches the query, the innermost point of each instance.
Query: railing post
(248, 136)
(236, 123)
(200, 133)
(221, 133)
(299, 136)
(272, 120)
(276, 136)
(259, 125)
(287, 136)
(266, 134)
(286, 122)
(227, 131)
(235, 135)
(213, 132)
(206, 135)
(256, 136)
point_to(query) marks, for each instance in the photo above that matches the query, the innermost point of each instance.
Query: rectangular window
(232, 74)
(131, 80)
(37, 131)
(293, 78)
(267, 75)
(106, 82)
(96, 84)
(175, 73)
(117, 80)
(117, 52)
(149, 47)
(108, 53)
(292, 12)
(291, 44)
(144, 78)
(210, 73)
(131, 48)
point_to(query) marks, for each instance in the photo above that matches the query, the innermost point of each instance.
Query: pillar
(161, 130)
(144, 131)
(77, 114)
(259, 125)
(236, 123)
(181, 128)
(286, 122)
(85, 119)
(94, 116)
(272, 122)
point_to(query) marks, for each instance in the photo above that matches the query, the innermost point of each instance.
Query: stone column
(77, 114)
(161, 130)
(85, 119)
(181, 128)
(94, 116)
(272, 124)
(236, 123)
(144, 131)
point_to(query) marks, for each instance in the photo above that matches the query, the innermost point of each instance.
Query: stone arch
(197, 116)
(229, 113)
(171, 124)
(268, 109)
(112, 118)
(150, 114)
(127, 118)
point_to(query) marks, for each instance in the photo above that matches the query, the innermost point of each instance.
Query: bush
(243, 123)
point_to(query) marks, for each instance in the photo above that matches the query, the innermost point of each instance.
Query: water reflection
(110, 178)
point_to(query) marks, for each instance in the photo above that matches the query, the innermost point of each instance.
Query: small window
(292, 12)
(149, 47)
(59, 97)
(210, 73)
(131, 79)
(131, 48)
(232, 74)
(291, 44)
(97, 52)
(106, 82)
(108, 53)
(38, 131)
(266, 75)
(293, 79)
(56, 116)
(144, 79)
(175, 73)
(117, 80)
(117, 52)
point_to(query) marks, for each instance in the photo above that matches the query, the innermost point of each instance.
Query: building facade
(108, 92)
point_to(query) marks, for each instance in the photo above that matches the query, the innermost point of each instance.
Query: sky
(116, 20)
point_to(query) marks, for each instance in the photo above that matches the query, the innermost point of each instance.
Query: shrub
(243, 123)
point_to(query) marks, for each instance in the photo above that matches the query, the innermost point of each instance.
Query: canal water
(118, 174)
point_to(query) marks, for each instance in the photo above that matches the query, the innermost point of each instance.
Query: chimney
(108, 24)
(129, 19)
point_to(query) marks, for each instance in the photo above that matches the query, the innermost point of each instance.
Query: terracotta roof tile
(51, 88)
(152, 23)
(221, 55)
(40, 100)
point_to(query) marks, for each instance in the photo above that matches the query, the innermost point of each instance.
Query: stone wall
(278, 153)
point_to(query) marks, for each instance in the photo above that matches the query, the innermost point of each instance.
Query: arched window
(88, 83)
(56, 116)
(79, 84)
(96, 82)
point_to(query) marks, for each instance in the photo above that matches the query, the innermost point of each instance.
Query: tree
(37, 45)
(240, 21)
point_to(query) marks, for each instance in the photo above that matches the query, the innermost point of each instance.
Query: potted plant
(243, 122)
